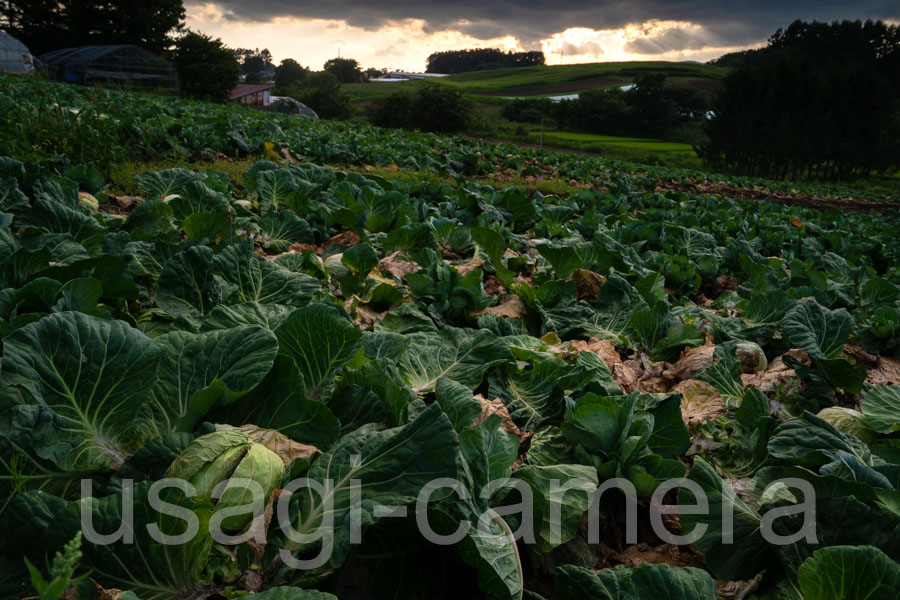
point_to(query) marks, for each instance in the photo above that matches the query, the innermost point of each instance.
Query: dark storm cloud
(728, 23)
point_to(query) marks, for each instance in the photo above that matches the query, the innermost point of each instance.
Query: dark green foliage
(192, 337)
(733, 60)
(652, 108)
(394, 110)
(441, 110)
(254, 61)
(821, 101)
(432, 108)
(527, 111)
(44, 25)
(289, 73)
(323, 93)
(480, 59)
(345, 69)
(206, 68)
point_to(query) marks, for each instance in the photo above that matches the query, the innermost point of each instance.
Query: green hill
(547, 80)
(525, 78)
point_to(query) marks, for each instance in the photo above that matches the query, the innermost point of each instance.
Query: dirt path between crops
(730, 190)
(721, 188)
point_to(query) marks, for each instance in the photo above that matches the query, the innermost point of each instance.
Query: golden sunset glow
(402, 45)
(580, 45)
(405, 44)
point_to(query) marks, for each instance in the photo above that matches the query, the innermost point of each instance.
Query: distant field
(549, 80)
(372, 90)
(523, 78)
(591, 142)
(492, 89)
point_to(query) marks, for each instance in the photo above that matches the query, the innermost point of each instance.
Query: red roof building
(256, 94)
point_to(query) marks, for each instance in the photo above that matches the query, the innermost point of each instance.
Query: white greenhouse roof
(14, 55)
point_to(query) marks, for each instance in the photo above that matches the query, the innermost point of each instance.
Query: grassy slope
(533, 78)
(530, 77)
(594, 143)
(526, 77)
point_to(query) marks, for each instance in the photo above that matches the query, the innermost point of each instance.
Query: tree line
(480, 59)
(821, 101)
(46, 25)
(652, 107)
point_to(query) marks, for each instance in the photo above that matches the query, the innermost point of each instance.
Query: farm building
(14, 56)
(124, 65)
(253, 94)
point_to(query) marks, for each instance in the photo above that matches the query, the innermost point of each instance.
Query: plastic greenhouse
(14, 56)
(124, 65)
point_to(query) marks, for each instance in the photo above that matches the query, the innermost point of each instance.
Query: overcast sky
(401, 34)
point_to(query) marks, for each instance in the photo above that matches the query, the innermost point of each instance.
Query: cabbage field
(317, 380)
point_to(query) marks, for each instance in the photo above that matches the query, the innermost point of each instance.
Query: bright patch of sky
(405, 44)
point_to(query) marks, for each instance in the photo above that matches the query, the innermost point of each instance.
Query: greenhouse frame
(14, 56)
(122, 65)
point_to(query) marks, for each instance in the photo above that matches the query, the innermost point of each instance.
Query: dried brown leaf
(653, 380)
(286, 155)
(398, 264)
(668, 554)
(776, 374)
(739, 590)
(287, 449)
(627, 374)
(510, 306)
(464, 268)
(692, 361)
(126, 202)
(605, 349)
(492, 285)
(700, 402)
(887, 371)
(498, 408)
(300, 248)
(587, 283)
(346, 239)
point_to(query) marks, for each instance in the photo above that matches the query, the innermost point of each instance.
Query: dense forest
(480, 59)
(821, 100)
(45, 25)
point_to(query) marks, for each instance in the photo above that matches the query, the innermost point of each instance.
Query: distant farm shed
(124, 65)
(14, 56)
(254, 94)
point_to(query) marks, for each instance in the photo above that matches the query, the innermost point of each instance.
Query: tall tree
(254, 61)
(345, 69)
(45, 25)
(821, 101)
(289, 73)
(206, 68)
(39, 24)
